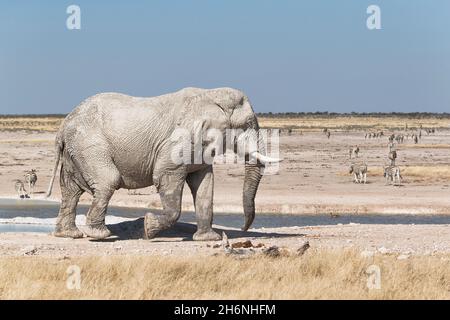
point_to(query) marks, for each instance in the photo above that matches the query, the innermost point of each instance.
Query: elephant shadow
(134, 229)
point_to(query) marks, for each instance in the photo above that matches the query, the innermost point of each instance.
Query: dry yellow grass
(341, 122)
(425, 146)
(412, 173)
(30, 123)
(423, 173)
(27, 141)
(318, 274)
(305, 123)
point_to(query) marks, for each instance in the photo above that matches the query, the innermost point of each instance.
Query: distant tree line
(325, 114)
(409, 115)
(50, 115)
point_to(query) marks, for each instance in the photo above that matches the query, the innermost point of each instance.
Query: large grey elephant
(112, 141)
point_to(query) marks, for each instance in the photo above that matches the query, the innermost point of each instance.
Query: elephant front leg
(170, 190)
(201, 184)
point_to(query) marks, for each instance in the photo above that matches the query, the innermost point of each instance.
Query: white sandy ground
(311, 180)
(401, 240)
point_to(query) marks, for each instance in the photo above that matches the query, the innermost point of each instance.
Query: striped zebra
(359, 171)
(353, 151)
(391, 138)
(20, 189)
(31, 178)
(392, 153)
(392, 174)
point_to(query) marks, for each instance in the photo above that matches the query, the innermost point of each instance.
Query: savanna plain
(337, 259)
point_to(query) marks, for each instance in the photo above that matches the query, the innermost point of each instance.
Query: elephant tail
(58, 152)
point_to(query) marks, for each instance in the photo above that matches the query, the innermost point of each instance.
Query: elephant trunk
(251, 182)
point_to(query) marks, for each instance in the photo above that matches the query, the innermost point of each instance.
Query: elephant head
(227, 108)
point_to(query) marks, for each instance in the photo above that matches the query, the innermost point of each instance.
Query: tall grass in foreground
(318, 274)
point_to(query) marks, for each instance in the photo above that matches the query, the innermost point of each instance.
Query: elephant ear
(213, 116)
(216, 107)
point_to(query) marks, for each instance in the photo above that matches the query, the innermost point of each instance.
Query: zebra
(392, 174)
(353, 150)
(359, 172)
(392, 155)
(31, 178)
(20, 189)
(391, 138)
(399, 138)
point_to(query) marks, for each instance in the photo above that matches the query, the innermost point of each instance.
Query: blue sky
(295, 55)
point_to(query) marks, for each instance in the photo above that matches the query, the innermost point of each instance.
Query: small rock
(403, 257)
(303, 248)
(216, 246)
(273, 252)
(225, 243)
(242, 244)
(29, 251)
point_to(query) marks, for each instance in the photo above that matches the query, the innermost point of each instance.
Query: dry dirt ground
(312, 179)
(410, 259)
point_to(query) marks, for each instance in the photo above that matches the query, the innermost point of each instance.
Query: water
(21, 227)
(46, 209)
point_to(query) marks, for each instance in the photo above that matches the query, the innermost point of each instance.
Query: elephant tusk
(265, 159)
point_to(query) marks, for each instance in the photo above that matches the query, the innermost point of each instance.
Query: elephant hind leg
(101, 179)
(102, 192)
(95, 219)
(70, 194)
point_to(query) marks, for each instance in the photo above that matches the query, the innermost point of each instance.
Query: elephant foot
(209, 235)
(72, 232)
(152, 225)
(97, 232)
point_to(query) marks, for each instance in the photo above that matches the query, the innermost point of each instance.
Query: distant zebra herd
(391, 172)
(370, 135)
(30, 179)
(287, 131)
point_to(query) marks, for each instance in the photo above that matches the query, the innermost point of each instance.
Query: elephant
(113, 141)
